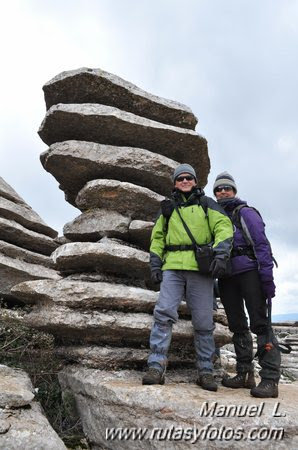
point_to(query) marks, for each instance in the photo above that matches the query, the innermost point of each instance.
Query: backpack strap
(239, 222)
(186, 227)
(203, 201)
(167, 207)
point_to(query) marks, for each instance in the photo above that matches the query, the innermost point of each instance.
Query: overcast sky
(234, 62)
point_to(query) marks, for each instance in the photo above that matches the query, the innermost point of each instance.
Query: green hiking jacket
(216, 228)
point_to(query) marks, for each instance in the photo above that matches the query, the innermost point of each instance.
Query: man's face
(185, 182)
(224, 191)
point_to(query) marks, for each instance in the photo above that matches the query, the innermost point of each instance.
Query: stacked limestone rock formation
(112, 148)
(26, 243)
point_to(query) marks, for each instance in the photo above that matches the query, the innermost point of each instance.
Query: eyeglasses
(185, 177)
(226, 188)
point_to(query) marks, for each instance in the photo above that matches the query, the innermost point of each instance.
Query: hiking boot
(265, 389)
(241, 380)
(206, 381)
(153, 376)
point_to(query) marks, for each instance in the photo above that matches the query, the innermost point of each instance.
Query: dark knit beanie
(184, 168)
(224, 179)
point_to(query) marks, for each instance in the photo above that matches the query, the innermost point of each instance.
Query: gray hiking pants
(198, 290)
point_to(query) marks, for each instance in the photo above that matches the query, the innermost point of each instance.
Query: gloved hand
(156, 275)
(218, 267)
(268, 288)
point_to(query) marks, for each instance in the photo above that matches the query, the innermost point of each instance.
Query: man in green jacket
(173, 264)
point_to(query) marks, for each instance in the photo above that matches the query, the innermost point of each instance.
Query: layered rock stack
(287, 332)
(26, 243)
(113, 149)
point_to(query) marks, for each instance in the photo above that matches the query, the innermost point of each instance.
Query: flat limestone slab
(17, 234)
(87, 85)
(132, 200)
(23, 425)
(103, 296)
(8, 192)
(112, 126)
(21, 254)
(25, 216)
(112, 358)
(95, 224)
(183, 415)
(106, 256)
(16, 388)
(86, 161)
(87, 295)
(27, 429)
(14, 271)
(107, 278)
(110, 328)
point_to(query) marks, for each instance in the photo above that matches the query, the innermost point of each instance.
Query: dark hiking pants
(234, 291)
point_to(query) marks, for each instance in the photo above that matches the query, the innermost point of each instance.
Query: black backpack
(236, 220)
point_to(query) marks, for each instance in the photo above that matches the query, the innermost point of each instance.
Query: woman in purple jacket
(251, 280)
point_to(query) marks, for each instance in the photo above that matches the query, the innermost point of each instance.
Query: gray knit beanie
(184, 168)
(224, 179)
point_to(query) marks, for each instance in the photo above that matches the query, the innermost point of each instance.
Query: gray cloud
(233, 63)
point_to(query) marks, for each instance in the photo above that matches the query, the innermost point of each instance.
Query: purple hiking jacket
(262, 250)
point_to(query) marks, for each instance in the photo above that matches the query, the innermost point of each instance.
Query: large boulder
(179, 415)
(112, 126)
(126, 198)
(86, 85)
(86, 161)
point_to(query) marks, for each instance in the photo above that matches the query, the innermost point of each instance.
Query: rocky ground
(173, 416)
(23, 424)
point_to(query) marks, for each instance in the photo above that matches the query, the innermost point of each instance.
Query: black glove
(218, 267)
(156, 275)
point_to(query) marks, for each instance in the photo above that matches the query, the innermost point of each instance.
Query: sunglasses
(185, 177)
(226, 188)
